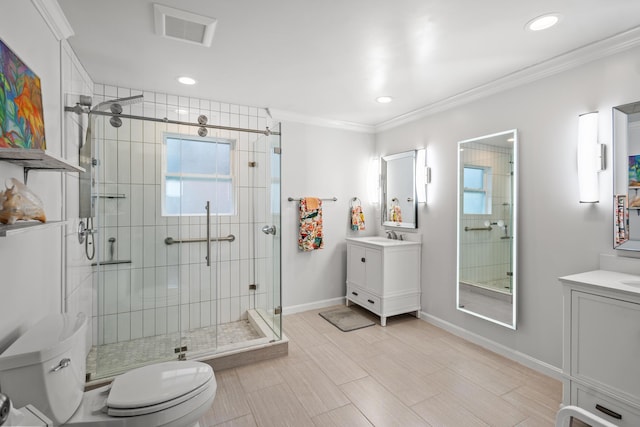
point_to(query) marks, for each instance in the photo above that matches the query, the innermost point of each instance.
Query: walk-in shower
(181, 267)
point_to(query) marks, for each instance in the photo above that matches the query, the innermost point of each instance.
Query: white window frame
(485, 189)
(212, 177)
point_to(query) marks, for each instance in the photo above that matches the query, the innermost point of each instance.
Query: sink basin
(383, 241)
(635, 283)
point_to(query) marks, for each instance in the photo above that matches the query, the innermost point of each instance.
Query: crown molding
(289, 116)
(566, 61)
(54, 17)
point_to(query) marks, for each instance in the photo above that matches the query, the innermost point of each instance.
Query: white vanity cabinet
(601, 348)
(383, 275)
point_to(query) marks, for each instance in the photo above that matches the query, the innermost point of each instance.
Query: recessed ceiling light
(186, 80)
(384, 99)
(543, 22)
(181, 112)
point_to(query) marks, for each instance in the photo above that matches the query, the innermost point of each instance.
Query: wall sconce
(423, 175)
(591, 157)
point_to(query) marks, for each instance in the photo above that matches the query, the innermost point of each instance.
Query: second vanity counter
(601, 344)
(383, 275)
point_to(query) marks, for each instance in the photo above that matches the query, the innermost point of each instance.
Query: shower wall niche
(146, 288)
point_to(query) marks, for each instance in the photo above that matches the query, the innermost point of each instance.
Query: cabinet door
(605, 342)
(374, 268)
(356, 257)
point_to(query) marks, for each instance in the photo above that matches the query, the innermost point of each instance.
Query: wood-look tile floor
(409, 373)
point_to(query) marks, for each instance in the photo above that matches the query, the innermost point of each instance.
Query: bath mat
(346, 319)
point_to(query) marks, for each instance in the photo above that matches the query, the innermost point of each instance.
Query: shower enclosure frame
(270, 314)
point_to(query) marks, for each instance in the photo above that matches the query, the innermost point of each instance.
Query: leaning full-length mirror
(626, 172)
(487, 195)
(399, 205)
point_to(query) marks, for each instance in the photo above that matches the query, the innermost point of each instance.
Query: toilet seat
(157, 387)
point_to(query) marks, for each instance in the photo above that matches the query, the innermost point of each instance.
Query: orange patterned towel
(311, 236)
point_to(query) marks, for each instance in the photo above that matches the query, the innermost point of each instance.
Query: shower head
(103, 106)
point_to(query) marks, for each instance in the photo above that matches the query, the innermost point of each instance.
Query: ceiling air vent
(181, 25)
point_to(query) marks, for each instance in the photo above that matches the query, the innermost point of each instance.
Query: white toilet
(46, 368)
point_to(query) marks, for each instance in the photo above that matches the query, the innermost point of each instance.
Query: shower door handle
(269, 229)
(208, 208)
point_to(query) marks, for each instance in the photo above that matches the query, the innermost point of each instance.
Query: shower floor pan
(238, 343)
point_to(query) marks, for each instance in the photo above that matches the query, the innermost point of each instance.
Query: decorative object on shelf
(621, 219)
(19, 203)
(357, 215)
(21, 113)
(395, 212)
(311, 234)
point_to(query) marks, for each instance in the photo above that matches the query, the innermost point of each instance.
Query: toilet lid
(156, 387)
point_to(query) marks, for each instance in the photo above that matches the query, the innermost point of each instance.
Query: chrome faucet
(391, 235)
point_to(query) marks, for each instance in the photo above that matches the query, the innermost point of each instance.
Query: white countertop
(606, 279)
(382, 241)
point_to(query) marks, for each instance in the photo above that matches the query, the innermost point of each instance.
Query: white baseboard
(523, 359)
(313, 305)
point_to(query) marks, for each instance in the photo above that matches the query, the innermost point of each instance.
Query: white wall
(557, 234)
(321, 162)
(33, 263)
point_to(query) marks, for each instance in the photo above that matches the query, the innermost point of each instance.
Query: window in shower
(197, 170)
(477, 194)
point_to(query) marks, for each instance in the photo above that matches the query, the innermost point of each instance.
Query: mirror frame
(621, 186)
(514, 229)
(383, 190)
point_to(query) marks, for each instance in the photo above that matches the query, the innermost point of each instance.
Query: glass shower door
(137, 274)
(268, 304)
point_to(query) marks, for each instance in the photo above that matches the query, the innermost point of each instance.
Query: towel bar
(478, 228)
(332, 199)
(171, 240)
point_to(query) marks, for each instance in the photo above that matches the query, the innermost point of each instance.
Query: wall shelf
(21, 226)
(34, 159)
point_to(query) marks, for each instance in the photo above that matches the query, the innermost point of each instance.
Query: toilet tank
(31, 369)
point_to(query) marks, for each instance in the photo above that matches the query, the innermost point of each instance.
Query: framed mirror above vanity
(626, 176)
(487, 218)
(398, 188)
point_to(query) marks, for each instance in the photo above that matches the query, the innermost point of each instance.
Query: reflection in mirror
(626, 172)
(487, 183)
(399, 206)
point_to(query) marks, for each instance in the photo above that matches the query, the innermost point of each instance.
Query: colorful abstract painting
(21, 116)
(634, 171)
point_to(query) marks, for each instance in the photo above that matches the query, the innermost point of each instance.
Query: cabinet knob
(362, 259)
(354, 293)
(371, 301)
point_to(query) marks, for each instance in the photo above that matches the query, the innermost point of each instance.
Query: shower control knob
(269, 229)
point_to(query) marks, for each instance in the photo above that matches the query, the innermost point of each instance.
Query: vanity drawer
(604, 407)
(364, 298)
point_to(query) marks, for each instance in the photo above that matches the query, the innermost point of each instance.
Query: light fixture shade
(588, 158)
(421, 175)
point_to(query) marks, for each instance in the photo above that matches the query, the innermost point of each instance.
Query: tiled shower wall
(169, 288)
(485, 256)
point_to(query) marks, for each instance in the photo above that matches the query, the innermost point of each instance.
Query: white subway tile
(136, 324)
(149, 288)
(124, 291)
(110, 331)
(149, 323)
(124, 327)
(161, 320)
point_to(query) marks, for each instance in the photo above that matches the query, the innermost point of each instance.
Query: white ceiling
(330, 59)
